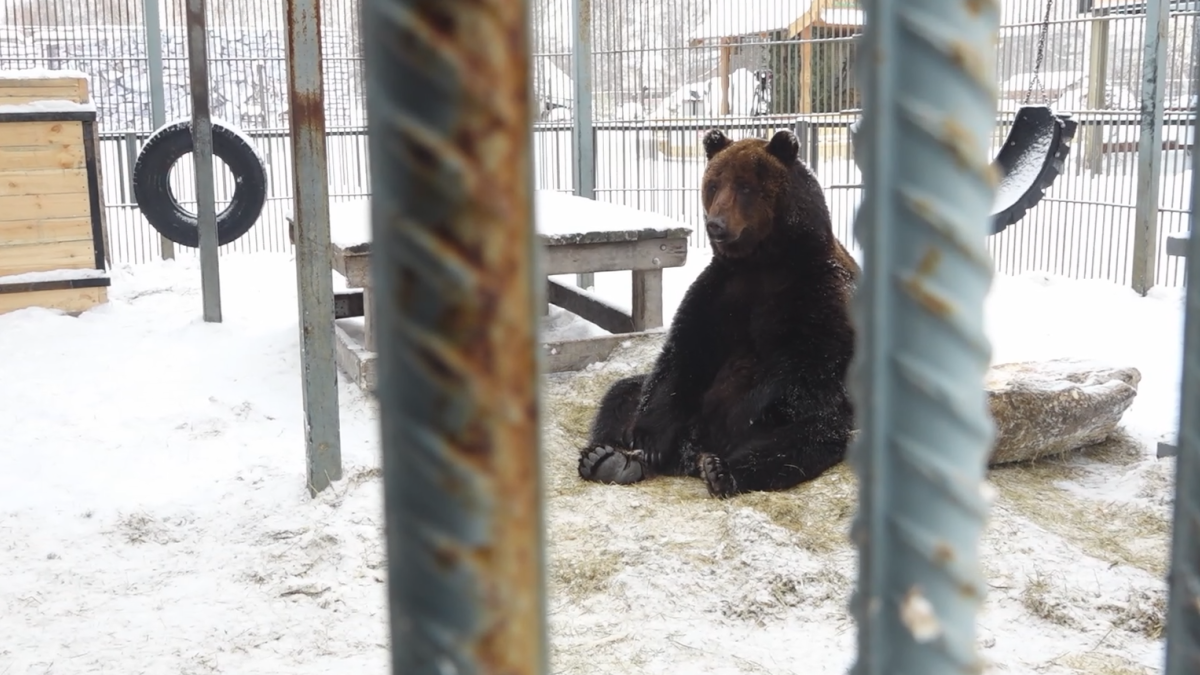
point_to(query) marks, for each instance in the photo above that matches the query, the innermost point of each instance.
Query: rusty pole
(310, 190)
(453, 261)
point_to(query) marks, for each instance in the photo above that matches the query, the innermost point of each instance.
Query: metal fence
(662, 72)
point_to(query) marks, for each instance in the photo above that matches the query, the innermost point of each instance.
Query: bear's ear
(785, 146)
(715, 141)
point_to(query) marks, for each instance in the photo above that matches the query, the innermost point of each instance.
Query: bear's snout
(718, 231)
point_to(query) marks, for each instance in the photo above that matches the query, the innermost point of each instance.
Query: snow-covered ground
(154, 518)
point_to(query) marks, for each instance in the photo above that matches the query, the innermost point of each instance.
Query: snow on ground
(153, 516)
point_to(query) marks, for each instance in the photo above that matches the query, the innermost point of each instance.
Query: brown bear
(749, 391)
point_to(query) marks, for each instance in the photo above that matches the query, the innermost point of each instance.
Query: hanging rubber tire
(1037, 133)
(152, 183)
(1031, 159)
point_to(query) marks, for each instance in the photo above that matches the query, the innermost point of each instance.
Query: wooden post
(724, 57)
(647, 299)
(804, 96)
(1093, 135)
(368, 320)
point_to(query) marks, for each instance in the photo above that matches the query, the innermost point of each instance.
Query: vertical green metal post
(927, 73)
(1183, 607)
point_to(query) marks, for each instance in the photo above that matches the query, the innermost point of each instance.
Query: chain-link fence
(662, 72)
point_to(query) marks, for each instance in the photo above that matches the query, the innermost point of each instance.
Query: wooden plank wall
(18, 90)
(45, 215)
(45, 210)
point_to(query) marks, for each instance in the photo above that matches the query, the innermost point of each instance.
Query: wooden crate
(32, 86)
(51, 215)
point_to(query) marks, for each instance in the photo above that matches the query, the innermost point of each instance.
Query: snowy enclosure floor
(153, 516)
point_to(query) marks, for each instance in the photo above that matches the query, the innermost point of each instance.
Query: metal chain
(1041, 53)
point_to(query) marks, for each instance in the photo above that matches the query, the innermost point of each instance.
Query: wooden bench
(644, 253)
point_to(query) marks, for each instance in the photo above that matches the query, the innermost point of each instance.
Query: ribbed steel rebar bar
(927, 70)
(453, 262)
(1183, 607)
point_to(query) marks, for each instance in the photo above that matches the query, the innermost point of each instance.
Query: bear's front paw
(606, 464)
(652, 448)
(716, 476)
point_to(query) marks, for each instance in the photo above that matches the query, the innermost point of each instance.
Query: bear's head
(744, 187)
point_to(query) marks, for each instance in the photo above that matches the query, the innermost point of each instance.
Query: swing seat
(1029, 162)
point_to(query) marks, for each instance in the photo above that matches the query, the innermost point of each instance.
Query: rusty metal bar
(202, 159)
(927, 70)
(1183, 606)
(314, 276)
(458, 291)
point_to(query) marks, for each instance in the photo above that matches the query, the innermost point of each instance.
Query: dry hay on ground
(719, 584)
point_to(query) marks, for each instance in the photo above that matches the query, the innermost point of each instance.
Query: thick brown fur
(749, 391)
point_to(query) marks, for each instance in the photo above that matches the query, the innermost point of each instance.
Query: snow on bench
(562, 219)
(580, 236)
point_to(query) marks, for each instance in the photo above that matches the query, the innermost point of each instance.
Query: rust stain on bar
(467, 327)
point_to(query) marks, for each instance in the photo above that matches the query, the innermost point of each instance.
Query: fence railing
(1082, 229)
(656, 85)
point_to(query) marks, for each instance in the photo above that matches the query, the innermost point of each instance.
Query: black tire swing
(152, 183)
(1033, 154)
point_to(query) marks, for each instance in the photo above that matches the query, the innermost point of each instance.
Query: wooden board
(647, 254)
(1177, 245)
(28, 134)
(352, 358)
(354, 265)
(51, 181)
(60, 156)
(31, 231)
(14, 91)
(647, 299)
(569, 355)
(73, 300)
(588, 306)
(60, 255)
(45, 207)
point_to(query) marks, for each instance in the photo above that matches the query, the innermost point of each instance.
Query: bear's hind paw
(716, 476)
(605, 464)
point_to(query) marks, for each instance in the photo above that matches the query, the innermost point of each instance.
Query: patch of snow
(157, 520)
(42, 74)
(560, 325)
(703, 99)
(560, 213)
(215, 121)
(53, 275)
(49, 105)
(735, 18)
(557, 214)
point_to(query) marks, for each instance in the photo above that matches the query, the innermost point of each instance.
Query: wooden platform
(643, 253)
(52, 243)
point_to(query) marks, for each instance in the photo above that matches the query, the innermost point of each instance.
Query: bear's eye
(710, 189)
(744, 189)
